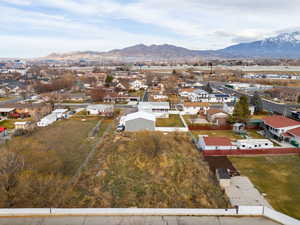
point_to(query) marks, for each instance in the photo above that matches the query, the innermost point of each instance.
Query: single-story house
(278, 126)
(186, 92)
(217, 117)
(60, 113)
(159, 109)
(23, 125)
(215, 143)
(4, 112)
(193, 108)
(254, 143)
(220, 98)
(139, 121)
(229, 107)
(47, 120)
(101, 109)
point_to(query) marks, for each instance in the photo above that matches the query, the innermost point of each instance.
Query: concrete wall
(139, 125)
(240, 211)
(279, 217)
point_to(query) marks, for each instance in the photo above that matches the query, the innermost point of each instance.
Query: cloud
(17, 2)
(194, 24)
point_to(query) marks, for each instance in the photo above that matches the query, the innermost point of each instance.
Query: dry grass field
(149, 169)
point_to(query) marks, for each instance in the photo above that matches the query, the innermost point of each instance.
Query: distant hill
(155, 51)
(285, 45)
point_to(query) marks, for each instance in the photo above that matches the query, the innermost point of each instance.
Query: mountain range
(285, 45)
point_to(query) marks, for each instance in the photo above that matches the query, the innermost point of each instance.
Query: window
(266, 144)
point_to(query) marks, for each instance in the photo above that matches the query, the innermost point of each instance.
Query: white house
(100, 109)
(229, 107)
(159, 109)
(160, 97)
(47, 120)
(220, 98)
(137, 85)
(60, 113)
(278, 126)
(186, 92)
(193, 108)
(199, 95)
(22, 125)
(254, 143)
(215, 143)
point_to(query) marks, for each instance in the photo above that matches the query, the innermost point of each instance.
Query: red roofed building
(215, 143)
(277, 126)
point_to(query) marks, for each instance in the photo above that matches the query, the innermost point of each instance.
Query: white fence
(239, 211)
(172, 129)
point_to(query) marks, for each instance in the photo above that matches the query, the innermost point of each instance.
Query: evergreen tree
(241, 112)
(257, 102)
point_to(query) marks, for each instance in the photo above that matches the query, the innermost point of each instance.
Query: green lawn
(173, 121)
(277, 176)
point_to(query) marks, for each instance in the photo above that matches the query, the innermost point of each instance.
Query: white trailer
(254, 144)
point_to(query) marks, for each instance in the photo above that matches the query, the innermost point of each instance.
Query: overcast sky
(31, 28)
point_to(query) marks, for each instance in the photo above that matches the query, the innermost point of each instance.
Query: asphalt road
(137, 220)
(270, 106)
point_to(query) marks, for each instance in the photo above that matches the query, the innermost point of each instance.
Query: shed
(215, 143)
(254, 144)
(101, 109)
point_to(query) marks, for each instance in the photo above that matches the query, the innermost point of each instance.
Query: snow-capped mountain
(285, 45)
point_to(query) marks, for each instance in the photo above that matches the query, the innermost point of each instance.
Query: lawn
(220, 133)
(277, 176)
(174, 120)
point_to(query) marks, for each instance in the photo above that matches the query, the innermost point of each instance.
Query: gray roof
(156, 105)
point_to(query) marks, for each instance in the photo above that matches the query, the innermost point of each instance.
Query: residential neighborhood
(147, 112)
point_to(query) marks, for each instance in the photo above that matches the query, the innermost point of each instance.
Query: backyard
(219, 133)
(276, 176)
(174, 120)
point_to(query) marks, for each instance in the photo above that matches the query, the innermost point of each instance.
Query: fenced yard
(276, 176)
(174, 120)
